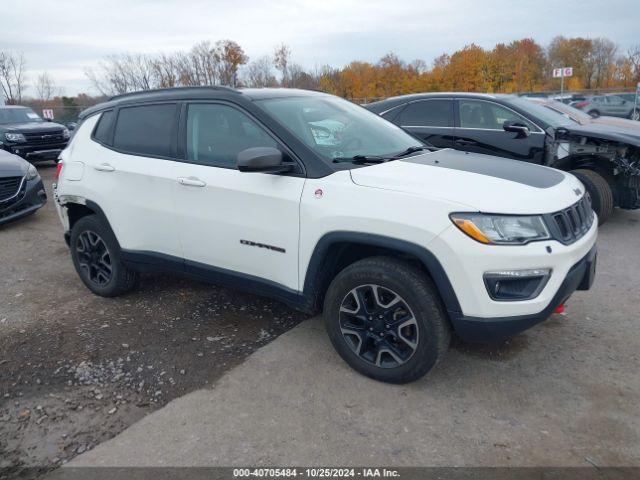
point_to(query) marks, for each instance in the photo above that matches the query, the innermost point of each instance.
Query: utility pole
(636, 115)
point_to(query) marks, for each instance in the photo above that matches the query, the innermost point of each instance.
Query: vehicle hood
(625, 123)
(12, 165)
(28, 127)
(605, 131)
(476, 182)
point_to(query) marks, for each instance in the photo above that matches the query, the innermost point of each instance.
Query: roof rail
(173, 89)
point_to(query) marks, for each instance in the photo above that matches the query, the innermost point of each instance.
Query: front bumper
(474, 329)
(32, 196)
(37, 152)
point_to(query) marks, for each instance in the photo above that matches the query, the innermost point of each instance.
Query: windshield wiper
(410, 150)
(361, 159)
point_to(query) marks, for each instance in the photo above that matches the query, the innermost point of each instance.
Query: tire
(398, 353)
(594, 113)
(635, 114)
(96, 257)
(599, 190)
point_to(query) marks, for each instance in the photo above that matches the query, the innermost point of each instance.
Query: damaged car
(605, 158)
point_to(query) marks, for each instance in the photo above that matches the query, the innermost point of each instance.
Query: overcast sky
(64, 37)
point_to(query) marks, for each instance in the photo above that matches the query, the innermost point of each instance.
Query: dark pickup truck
(24, 133)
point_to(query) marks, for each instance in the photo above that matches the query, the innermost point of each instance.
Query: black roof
(199, 93)
(389, 103)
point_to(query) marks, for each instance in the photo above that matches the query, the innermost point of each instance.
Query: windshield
(18, 115)
(548, 116)
(338, 129)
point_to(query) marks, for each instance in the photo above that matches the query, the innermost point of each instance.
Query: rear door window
(146, 130)
(428, 113)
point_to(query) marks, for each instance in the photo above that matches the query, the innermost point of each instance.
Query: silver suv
(609, 105)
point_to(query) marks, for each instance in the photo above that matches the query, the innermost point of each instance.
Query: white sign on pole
(47, 113)
(563, 72)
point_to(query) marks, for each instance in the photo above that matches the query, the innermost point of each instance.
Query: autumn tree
(467, 70)
(229, 56)
(281, 60)
(259, 73)
(576, 53)
(12, 76)
(46, 87)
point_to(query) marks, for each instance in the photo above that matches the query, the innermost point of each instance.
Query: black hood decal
(514, 170)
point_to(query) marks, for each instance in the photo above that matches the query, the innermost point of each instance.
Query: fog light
(511, 285)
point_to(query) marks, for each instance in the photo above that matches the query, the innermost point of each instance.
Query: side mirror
(514, 126)
(261, 159)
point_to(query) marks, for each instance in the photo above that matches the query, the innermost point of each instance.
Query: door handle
(466, 142)
(191, 182)
(104, 167)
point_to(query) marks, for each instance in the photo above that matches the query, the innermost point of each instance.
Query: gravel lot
(76, 369)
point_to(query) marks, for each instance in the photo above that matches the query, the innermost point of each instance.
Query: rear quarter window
(102, 131)
(146, 130)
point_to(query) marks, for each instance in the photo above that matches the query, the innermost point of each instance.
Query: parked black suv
(605, 159)
(24, 133)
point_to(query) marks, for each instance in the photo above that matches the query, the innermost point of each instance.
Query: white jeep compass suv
(314, 201)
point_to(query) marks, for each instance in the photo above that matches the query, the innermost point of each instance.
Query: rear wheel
(635, 114)
(96, 257)
(385, 319)
(599, 190)
(594, 113)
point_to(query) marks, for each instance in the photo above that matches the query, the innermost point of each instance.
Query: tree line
(520, 66)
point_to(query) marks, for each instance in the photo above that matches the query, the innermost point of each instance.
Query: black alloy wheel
(379, 326)
(94, 257)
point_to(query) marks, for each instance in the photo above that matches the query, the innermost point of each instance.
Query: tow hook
(559, 308)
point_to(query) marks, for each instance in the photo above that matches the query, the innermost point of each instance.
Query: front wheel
(635, 114)
(96, 257)
(385, 319)
(599, 191)
(594, 113)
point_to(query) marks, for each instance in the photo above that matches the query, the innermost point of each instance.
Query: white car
(397, 244)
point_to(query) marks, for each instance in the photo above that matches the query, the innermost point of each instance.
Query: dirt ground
(77, 369)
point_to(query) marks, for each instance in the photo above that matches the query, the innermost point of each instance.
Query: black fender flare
(91, 205)
(426, 257)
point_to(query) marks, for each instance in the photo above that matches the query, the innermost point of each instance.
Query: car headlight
(501, 229)
(66, 134)
(32, 173)
(15, 137)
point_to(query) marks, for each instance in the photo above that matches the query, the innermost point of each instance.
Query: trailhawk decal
(262, 245)
(516, 171)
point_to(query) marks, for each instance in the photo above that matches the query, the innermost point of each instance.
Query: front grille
(9, 187)
(570, 224)
(43, 138)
